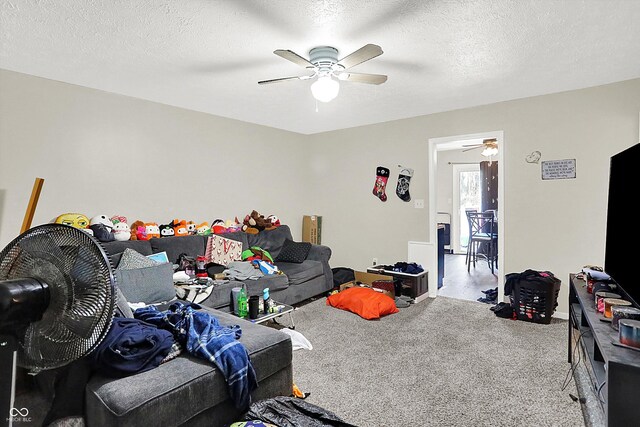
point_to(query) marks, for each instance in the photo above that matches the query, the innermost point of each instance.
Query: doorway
(437, 145)
(466, 195)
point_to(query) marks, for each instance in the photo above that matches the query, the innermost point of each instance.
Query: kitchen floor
(460, 284)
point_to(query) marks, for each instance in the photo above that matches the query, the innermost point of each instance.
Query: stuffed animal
(233, 225)
(180, 227)
(274, 222)
(119, 218)
(166, 230)
(141, 232)
(203, 229)
(102, 228)
(121, 231)
(152, 229)
(254, 223)
(138, 231)
(191, 227)
(218, 227)
(74, 220)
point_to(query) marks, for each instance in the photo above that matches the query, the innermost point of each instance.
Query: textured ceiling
(208, 55)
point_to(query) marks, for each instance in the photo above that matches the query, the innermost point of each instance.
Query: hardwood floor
(459, 284)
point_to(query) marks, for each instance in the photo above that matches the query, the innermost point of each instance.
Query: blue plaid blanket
(203, 336)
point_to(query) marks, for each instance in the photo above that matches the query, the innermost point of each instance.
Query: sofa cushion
(270, 240)
(299, 273)
(151, 285)
(174, 246)
(177, 390)
(274, 282)
(293, 251)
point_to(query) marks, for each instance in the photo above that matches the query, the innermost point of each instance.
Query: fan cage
(80, 280)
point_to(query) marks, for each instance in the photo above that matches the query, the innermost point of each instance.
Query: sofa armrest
(319, 253)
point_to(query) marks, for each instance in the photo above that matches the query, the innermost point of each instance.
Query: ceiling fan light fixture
(490, 151)
(325, 89)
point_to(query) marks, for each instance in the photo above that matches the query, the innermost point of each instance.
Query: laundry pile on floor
(491, 296)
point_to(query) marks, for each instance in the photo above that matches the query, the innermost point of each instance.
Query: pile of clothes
(404, 267)
(143, 343)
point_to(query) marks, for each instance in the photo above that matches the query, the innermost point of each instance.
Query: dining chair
(482, 230)
(468, 256)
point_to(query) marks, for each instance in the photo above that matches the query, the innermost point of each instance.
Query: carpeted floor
(442, 362)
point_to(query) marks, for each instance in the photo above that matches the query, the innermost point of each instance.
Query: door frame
(456, 227)
(434, 144)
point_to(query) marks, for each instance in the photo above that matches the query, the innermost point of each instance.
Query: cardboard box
(312, 229)
(348, 285)
(368, 279)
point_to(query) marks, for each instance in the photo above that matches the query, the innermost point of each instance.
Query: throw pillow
(364, 302)
(293, 251)
(131, 259)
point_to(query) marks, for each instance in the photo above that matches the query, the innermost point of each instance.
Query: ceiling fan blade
(283, 79)
(294, 57)
(365, 53)
(374, 79)
(472, 148)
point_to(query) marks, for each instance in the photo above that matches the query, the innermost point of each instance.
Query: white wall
(104, 153)
(549, 225)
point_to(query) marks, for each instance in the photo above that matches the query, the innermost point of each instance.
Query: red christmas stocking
(382, 175)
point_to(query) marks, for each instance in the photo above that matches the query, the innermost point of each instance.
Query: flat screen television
(622, 252)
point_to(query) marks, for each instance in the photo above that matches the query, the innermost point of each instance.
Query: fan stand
(8, 347)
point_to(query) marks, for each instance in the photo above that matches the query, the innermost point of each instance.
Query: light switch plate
(418, 204)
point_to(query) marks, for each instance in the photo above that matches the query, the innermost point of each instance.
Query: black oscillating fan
(57, 301)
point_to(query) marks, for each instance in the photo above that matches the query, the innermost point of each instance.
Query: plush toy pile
(107, 229)
(256, 222)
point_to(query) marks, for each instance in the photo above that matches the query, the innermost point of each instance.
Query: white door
(466, 195)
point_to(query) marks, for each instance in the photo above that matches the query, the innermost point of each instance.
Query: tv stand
(614, 371)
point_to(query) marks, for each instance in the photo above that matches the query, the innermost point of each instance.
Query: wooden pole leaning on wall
(33, 202)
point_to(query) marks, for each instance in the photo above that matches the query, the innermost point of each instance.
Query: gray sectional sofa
(299, 282)
(191, 391)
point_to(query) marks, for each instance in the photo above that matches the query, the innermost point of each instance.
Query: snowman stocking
(382, 175)
(402, 189)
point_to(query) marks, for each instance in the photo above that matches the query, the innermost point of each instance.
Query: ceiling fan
(323, 63)
(490, 147)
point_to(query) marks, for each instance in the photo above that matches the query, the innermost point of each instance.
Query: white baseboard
(421, 298)
(561, 315)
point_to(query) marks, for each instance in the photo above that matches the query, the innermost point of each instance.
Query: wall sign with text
(559, 169)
